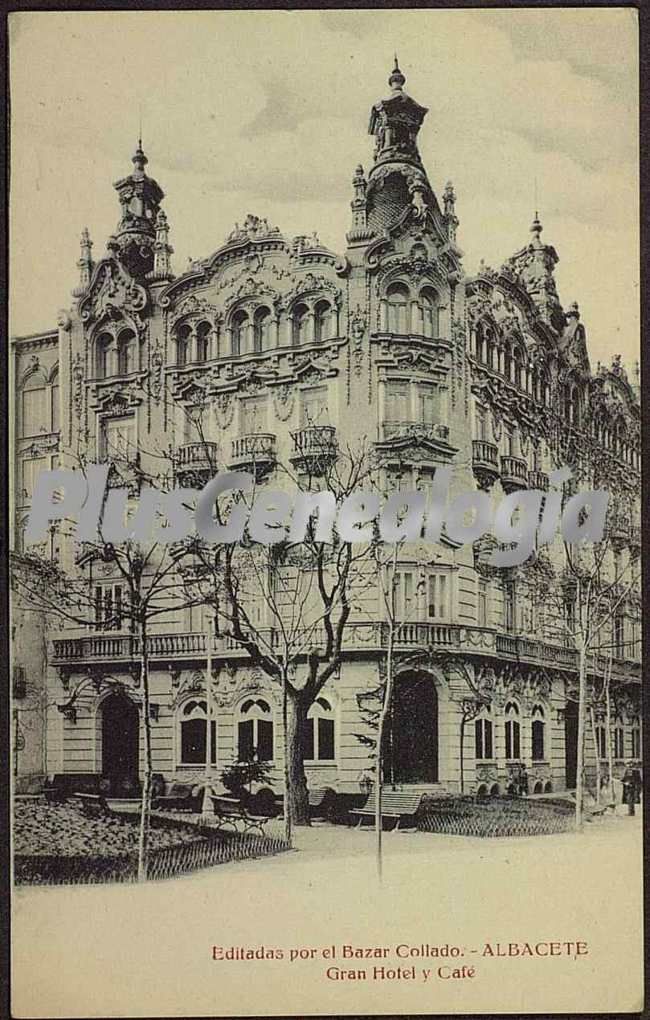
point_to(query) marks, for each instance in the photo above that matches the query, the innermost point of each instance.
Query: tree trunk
(581, 734)
(145, 809)
(296, 796)
(608, 724)
(379, 756)
(592, 719)
(463, 721)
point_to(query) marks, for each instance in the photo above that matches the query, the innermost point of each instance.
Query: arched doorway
(571, 744)
(120, 744)
(411, 732)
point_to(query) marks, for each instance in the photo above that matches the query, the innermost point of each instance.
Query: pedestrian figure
(631, 788)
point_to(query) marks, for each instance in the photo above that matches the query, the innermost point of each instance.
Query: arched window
(490, 349)
(193, 727)
(512, 728)
(322, 321)
(126, 350)
(517, 368)
(619, 740)
(537, 734)
(239, 325)
(398, 297)
(255, 731)
(103, 348)
(479, 341)
(429, 309)
(34, 404)
(183, 345)
(203, 341)
(300, 323)
(507, 361)
(484, 747)
(318, 738)
(261, 327)
(544, 387)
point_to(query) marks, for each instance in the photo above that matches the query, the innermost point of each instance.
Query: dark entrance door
(120, 745)
(571, 743)
(411, 734)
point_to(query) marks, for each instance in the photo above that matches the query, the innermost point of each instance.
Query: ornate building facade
(296, 350)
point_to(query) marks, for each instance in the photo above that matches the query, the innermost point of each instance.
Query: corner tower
(140, 197)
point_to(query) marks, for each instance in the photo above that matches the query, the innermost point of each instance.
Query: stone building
(296, 350)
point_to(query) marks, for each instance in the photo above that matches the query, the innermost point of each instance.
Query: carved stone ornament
(78, 375)
(156, 378)
(224, 409)
(112, 292)
(283, 401)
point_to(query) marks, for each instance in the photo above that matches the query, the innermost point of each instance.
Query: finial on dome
(139, 159)
(574, 309)
(397, 79)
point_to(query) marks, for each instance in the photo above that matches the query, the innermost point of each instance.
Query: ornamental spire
(396, 79)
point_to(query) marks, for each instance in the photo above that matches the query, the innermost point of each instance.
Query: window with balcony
(109, 606)
(193, 734)
(398, 401)
(183, 340)
(318, 742)
(118, 439)
(255, 731)
(323, 321)
(509, 608)
(261, 329)
(512, 732)
(437, 604)
(483, 602)
(398, 298)
(538, 734)
(126, 352)
(483, 744)
(300, 325)
(313, 406)
(252, 415)
(482, 426)
(429, 311)
(238, 329)
(203, 331)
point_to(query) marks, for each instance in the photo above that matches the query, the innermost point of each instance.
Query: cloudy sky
(267, 112)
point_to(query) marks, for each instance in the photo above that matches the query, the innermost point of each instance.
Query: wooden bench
(91, 803)
(394, 804)
(321, 801)
(230, 811)
(180, 796)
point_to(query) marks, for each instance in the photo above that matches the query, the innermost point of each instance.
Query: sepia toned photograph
(325, 525)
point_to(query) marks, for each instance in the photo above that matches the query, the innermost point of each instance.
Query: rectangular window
(404, 595)
(313, 407)
(482, 603)
(264, 740)
(35, 416)
(398, 402)
(537, 733)
(245, 740)
(601, 742)
(428, 405)
(109, 607)
(118, 439)
(481, 424)
(509, 608)
(31, 469)
(483, 738)
(619, 743)
(619, 637)
(509, 441)
(326, 740)
(56, 411)
(636, 742)
(438, 597)
(512, 740)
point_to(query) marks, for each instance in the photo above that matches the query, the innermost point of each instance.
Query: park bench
(395, 805)
(230, 811)
(321, 801)
(182, 796)
(91, 803)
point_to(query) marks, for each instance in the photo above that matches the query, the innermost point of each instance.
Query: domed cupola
(398, 187)
(140, 197)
